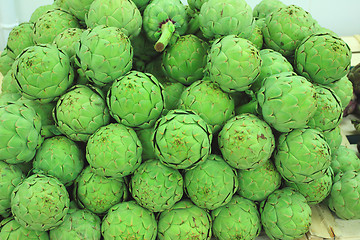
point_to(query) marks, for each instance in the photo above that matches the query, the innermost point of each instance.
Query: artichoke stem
(167, 30)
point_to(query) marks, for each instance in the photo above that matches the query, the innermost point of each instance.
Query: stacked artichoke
(130, 119)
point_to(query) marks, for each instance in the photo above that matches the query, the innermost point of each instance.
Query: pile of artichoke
(135, 119)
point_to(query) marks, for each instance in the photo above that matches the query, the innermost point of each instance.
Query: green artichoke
(344, 159)
(246, 141)
(114, 151)
(184, 221)
(39, 11)
(5, 62)
(266, 7)
(79, 224)
(51, 23)
(184, 60)
(136, 99)
(79, 8)
(172, 94)
(246, 102)
(287, 101)
(333, 137)
(104, 54)
(8, 84)
(67, 40)
(20, 128)
(155, 186)
(353, 75)
(323, 58)
(97, 193)
(141, 4)
(80, 112)
(256, 36)
(182, 139)
(317, 190)
(5, 98)
(286, 27)
(144, 136)
(234, 63)
(163, 21)
(302, 155)
(285, 214)
(258, 183)
(11, 229)
(60, 157)
(122, 14)
(329, 111)
(239, 219)
(40, 202)
(43, 72)
(225, 17)
(343, 88)
(211, 184)
(128, 220)
(345, 194)
(196, 4)
(211, 103)
(20, 37)
(10, 177)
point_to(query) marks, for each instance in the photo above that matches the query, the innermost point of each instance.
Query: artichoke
(136, 99)
(196, 4)
(345, 194)
(287, 101)
(144, 135)
(323, 58)
(8, 84)
(266, 7)
(80, 112)
(239, 219)
(128, 220)
(60, 157)
(104, 54)
(246, 141)
(256, 36)
(234, 63)
(40, 202)
(141, 4)
(39, 11)
(258, 183)
(353, 75)
(343, 88)
(285, 214)
(5, 62)
(114, 151)
(172, 94)
(334, 138)
(155, 186)
(20, 128)
(302, 155)
(225, 17)
(211, 184)
(20, 37)
(344, 159)
(122, 14)
(98, 194)
(182, 139)
(209, 102)
(11, 229)
(184, 221)
(5, 98)
(79, 8)
(67, 40)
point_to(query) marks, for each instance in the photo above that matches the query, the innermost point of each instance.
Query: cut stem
(167, 30)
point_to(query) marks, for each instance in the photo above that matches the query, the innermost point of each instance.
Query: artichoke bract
(97, 193)
(285, 214)
(234, 63)
(80, 112)
(302, 155)
(51, 23)
(20, 37)
(211, 184)
(163, 20)
(246, 141)
(39, 11)
(155, 186)
(40, 202)
(256, 36)
(225, 17)
(5, 62)
(209, 102)
(136, 99)
(20, 128)
(128, 220)
(79, 8)
(279, 36)
(10, 177)
(182, 139)
(184, 60)
(78, 224)
(5, 98)
(11, 229)
(239, 219)
(184, 221)
(67, 40)
(287, 101)
(334, 138)
(343, 88)
(122, 14)
(40, 81)
(258, 183)
(8, 84)
(60, 157)
(323, 58)
(344, 159)
(266, 7)
(345, 194)
(114, 151)
(196, 4)
(104, 53)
